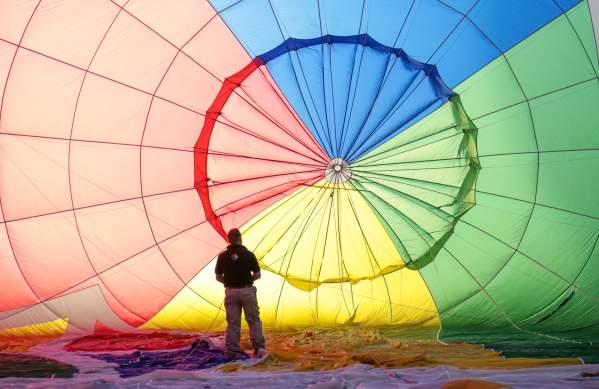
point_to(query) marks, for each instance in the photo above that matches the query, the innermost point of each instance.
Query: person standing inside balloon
(237, 268)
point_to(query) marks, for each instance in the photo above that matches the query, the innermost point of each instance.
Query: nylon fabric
(429, 164)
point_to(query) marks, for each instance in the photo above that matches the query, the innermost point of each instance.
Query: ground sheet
(352, 357)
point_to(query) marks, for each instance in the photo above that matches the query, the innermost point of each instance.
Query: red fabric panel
(252, 150)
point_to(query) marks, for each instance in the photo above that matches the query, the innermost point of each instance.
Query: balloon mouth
(337, 171)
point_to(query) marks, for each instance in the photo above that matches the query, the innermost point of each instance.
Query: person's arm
(255, 268)
(220, 277)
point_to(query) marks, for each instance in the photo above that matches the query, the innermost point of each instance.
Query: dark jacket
(237, 263)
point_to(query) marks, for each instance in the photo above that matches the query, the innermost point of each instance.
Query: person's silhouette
(237, 268)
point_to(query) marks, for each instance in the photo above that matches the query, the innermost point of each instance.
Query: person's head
(234, 236)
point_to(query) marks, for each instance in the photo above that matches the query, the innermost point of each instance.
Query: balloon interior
(418, 180)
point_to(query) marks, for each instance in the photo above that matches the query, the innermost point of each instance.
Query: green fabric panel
(472, 244)
(509, 263)
(422, 132)
(583, 307)
(580, 17)
(587, 279)
(551, 59)
(445, 274)
(575, 314)
(418, 227)
(568, 180)
(540, 318)
(567, 119)
(509, 216)
(506, 131)
(492, 88)
(522, 274)
(477, 311)
(558, 239)
(436, 194)
(509, 175)
(422, 181)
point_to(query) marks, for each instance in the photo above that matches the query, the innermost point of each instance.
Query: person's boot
(235, 355)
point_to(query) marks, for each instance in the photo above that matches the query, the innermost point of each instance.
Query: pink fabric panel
(248, 171)
(165, 170)
(37, 172)
(189, 85)
(7, 52)
(110, 112)
(49, 253)
(11, 278)
(14, 17)
(172, 126)
(114, 232)
(143, 284)
(241, 211)
(40, 96)
(133, 54)
(133, 120)
(173, 213)
(177, 21)
(245, 116)
(121, 310)
(233, 196)
(103, 173)
(217, 49)
(191, 251)
(263, 91)
(76, 41)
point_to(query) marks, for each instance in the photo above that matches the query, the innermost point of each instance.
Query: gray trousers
(235, 300)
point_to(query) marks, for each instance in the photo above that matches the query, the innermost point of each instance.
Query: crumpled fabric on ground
(33, 366)
(135, 341)
(201, 355)
(333, 348)
(20, 344)
(353, 377)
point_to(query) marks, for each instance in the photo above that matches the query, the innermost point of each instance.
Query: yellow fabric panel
(49, 328)
(400, 297)
(323, 233)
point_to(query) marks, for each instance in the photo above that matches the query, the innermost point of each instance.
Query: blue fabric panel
(508, 22)
(567, 4)
(341, 17)
(372, 95)
(465, 51)
(282, 68)
(220, 5)
(298, 19)
(252, 22)
(419, 100)
(462, 6)
(309, 67)
(369, 75)
(428, 25)
(345, 60)
(383, 19)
